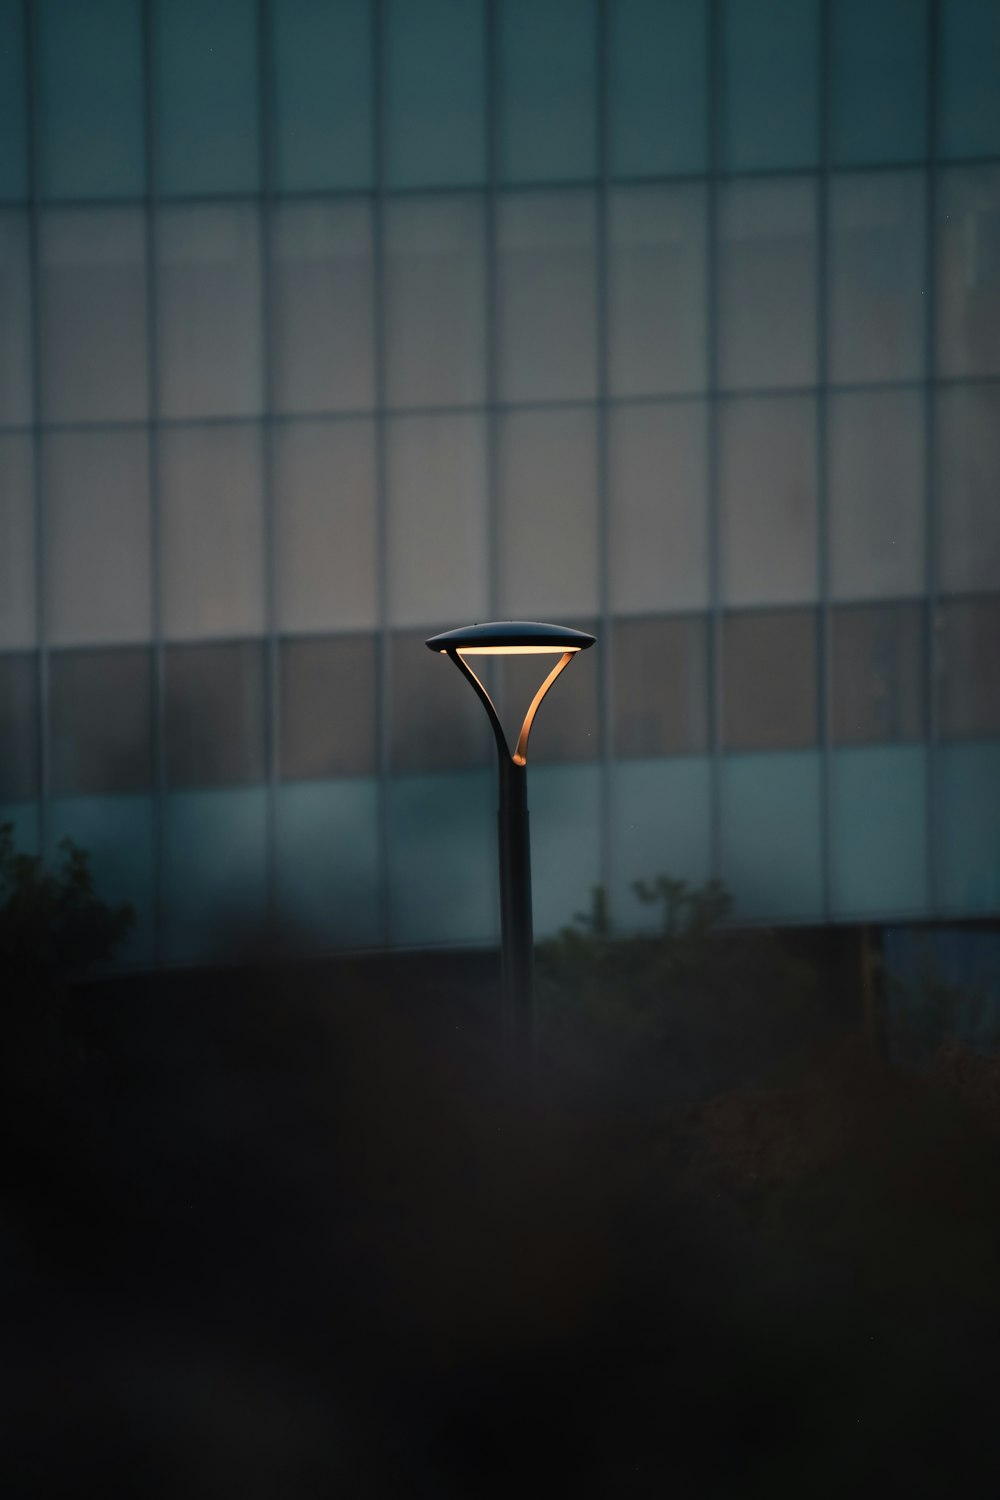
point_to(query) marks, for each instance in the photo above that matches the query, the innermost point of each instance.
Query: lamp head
(511, 638)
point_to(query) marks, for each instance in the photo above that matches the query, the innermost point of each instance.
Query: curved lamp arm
(520, 756)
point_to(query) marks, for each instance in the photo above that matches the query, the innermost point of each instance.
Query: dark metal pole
(516, 933)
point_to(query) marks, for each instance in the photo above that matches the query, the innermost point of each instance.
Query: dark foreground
(275, 1236)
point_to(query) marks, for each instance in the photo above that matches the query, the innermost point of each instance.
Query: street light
(514, 638)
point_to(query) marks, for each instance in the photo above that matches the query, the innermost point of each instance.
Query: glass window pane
(548, 515)
(769, 680)
(968, 271)
(967, 454)
(92, 126)
(878, 674)
(100, 722)
(19, 726)
(658, 532)
(770, 64)
(327, 714)
(16, 360)
(93, 315)
(324, 525)
(435, 719)
(658, 86)
(767, 283)
(17, 542)
(878, 82)
(547, 293)
(661, 825)
(548, 90)
(117, 833)
(322, 72)
(877, 292)
(878, 830)
(214, 714)
(211, 530)
(214, 874)
(767, 492)
(435, 293)
(13, 109)
(97, 537)
(208, 311)
(969, 869)
(875, 445)
(658, 333)
(966, 633)
(206, 97)
(322, 339)
(970, 61)
(326, 854)
(443, 857)
(660, 676)
(565, 843)
(435, 92)
(772, 835)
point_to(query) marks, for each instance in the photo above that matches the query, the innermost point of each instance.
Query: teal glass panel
(548, 90)
(326, 836)
(770, 100)
(969, 827)
(435, 90)
(207, 123)
(214, 874)
(92, 126)
(969, 71)
(443, 859)
(565, 823)
(879, 831)
(660, 825)
(13, 103)
(878, 84)
(658, 87)
(771, 843)
(322, 77)
(23, 818)
(117, 833)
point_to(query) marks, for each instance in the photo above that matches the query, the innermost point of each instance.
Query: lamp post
(514, 638)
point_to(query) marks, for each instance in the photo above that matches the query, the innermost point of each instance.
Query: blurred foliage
(926, 1011)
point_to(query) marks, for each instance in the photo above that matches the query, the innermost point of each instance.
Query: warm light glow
(556, 650)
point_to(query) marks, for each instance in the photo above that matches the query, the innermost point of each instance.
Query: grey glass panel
(100, 724)
(208, 311)
(878, 674)
(969, 59)
(97, 537)
(13, 107)
(435, 92)
(438, 532)
(93, 314)
(968, 262)
(328, 707)
(436, 722)
(211, 531)
(206, 97)
(92, 127)
(658, 532)
(767, 483)
(16, 362)
(877, 289)
(657, 290)
(19, 726)
(566, 728)
(435, 301)
(214, 714)
(322, 71)
(322, 341)
(769, 680)
(548, 515)
(968, 506)
(324, 525)
(660, 676)
(878, 81)
(966, 634)
(17, 542)
(658, 87)
(548, 90)
(547, 287)
(770, 65)
(767, 283)
(875, 443)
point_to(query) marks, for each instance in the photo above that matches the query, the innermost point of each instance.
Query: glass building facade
(328, 324)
